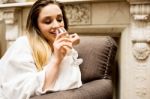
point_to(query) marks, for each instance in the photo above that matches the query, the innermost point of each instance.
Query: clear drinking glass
(62, 30)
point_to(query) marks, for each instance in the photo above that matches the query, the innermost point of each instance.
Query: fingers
(74, 35)
(64, 40)
(63, 45)
(66, 45)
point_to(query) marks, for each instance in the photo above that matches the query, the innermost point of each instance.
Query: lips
(54, 33)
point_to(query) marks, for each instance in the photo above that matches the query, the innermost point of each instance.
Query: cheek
(43, 27)
(40, 26)
(62, 24)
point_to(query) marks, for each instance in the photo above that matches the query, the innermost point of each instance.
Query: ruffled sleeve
(69, 76)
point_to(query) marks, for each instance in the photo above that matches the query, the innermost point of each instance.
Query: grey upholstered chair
(98, 53)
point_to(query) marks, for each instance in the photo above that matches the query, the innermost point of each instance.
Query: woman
(44, 59)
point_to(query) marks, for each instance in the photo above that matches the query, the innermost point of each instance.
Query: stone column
(140, 32)
(12, 18)
(135, 51)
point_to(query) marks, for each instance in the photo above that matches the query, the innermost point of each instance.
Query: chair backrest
(98, 53)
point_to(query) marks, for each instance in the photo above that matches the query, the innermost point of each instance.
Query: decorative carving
(78, 13)
(141, 50)
(140, 81)
(140, 35)
(140, 40)
(140, 17)
(141, 92)
(140, 11)
(9, 16)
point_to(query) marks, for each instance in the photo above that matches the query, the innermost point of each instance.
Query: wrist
(56, 61)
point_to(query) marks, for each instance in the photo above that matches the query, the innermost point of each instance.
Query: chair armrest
(97, 89)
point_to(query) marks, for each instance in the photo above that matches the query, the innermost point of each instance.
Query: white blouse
(19, 78)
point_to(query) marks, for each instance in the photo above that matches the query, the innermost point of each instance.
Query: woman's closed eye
(59, 19)
(48, 21)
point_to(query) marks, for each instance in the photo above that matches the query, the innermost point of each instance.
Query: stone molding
(139, 1)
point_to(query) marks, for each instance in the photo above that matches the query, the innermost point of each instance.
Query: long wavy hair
(41, 50)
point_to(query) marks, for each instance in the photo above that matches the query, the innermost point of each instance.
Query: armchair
(98, 53)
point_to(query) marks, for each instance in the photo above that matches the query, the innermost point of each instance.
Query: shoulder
(21, 45)
(20, 50)
(21, 40)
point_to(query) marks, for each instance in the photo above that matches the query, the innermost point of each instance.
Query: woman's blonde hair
(41, 50)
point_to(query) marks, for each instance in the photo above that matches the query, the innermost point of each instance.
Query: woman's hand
(75, 39)
(60, 46)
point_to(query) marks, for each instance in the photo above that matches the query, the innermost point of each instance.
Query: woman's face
(49, 20)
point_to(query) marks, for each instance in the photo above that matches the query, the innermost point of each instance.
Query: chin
(51, 39)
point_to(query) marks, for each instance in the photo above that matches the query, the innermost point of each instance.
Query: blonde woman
(42, 60)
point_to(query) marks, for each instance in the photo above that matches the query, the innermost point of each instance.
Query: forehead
(50, 10)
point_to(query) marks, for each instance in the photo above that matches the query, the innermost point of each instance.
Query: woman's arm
(59, 53)
(51, 75)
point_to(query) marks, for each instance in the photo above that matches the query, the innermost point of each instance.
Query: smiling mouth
(53, 33)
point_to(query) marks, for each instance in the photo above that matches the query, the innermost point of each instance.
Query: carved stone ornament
(78, 14)
(141, 50)
(140, 11)
(141, 79)
(140, 34)
(9, 16)
(140, 17)
(140, 40)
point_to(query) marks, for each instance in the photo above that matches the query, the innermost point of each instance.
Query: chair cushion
(98, 53)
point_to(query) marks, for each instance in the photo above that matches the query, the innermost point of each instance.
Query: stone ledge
(14, 5)
(26, 4)
(139, 1)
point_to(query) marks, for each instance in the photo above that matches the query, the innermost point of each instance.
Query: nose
(55, 24)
